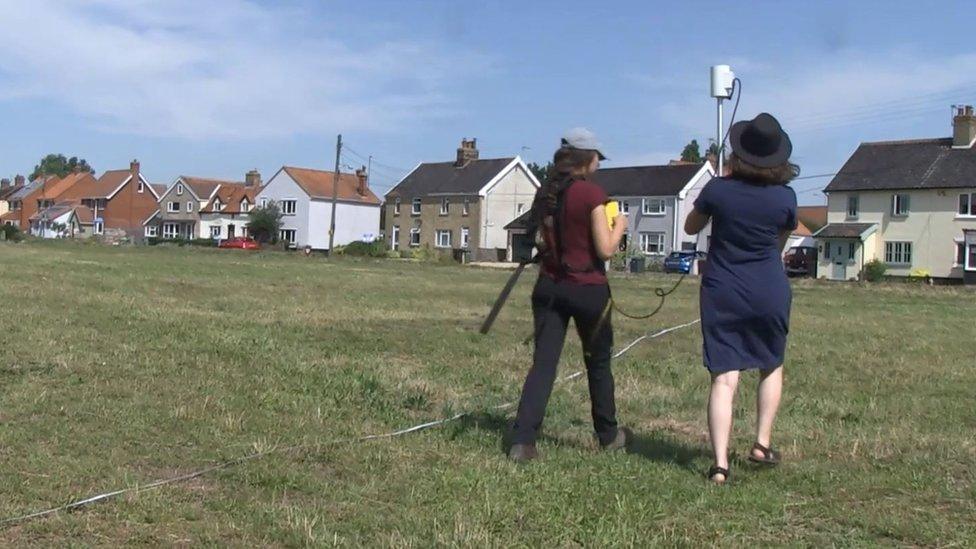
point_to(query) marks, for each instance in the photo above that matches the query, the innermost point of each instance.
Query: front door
(230, 231)
(840, 261)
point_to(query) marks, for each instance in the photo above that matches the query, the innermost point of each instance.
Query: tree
(59, 165)
(691, 152)
(712, 149)
(540, 172)
(264, 223)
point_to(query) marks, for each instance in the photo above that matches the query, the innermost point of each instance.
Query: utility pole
(335, 194)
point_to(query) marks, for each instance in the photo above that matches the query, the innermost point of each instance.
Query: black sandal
(769, 456)
(716, 470)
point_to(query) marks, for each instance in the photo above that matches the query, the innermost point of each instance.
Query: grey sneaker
(624, 436)
(523, 453)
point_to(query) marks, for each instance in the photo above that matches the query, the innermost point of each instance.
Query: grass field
(122, 366)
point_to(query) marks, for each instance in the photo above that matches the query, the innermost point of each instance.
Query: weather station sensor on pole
(723, 84)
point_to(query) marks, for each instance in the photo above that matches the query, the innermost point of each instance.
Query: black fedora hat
(761, 141)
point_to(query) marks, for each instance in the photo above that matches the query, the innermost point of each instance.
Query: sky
(216, 88)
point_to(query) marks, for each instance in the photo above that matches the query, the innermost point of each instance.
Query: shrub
(264, 223)
(363, 249)
(874, 270)
(12, 233)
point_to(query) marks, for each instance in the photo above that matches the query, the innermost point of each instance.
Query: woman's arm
(605, 240)
(784, 237)
(696, 222)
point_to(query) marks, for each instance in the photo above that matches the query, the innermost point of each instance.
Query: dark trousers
(553, 304)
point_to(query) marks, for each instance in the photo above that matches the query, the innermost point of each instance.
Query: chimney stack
(18, 181)
(4, 183)
(361, 176)
(467, 152)
(252, 178)
(964, 127)
(134, 170)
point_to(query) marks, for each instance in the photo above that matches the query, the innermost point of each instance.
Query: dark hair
(777, 175)
(566, 165)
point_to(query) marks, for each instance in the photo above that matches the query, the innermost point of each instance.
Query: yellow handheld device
(612, 209)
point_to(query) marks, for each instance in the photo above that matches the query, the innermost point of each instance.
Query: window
(445, 206)
(245, 205)
(396, 207)
(625, 207)
(288, 207)
(443, 239)
(287, 235)
(652, 243)
(967, 204)
(960, 254)
(465, 207)
(465, 237)
(971, 263)
(900, 205)
(141, 187)
(415, 237)
(15, 205)
(170, 230)
(215, 231)
(825, 247)
(520, 209)
(98, 228)
(179, 189)
(853, 206)
(898, 253)
(623, 242)
(173, 207)
(217, 206)
(652, 206)
(851, 250)
(264, 202)
(189, 207)
(395, 238)
(151, 231)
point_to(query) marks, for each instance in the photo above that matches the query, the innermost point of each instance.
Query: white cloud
(220, 68)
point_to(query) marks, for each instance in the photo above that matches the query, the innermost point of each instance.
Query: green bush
(12, 233)
(874, 270)
(363, 249)
(203, 242)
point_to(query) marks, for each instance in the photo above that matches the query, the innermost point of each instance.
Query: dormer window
(217, 206)
(179, 189)
(245, 205)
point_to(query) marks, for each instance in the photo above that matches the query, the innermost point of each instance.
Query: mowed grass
(120, 366)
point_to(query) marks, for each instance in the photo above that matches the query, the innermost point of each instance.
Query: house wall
(685, 207)
(353, 222)
(283, 187)
(430, 221)
(69, 220)
(638, 222)
(222, 220)
(932, 226)
(28, 207)
(128, 209)
(182, 216)
(501, 204)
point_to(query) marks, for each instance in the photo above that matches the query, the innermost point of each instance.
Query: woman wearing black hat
(745, 294)
(578, 238)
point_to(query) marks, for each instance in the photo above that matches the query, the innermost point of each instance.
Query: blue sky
(217, 88)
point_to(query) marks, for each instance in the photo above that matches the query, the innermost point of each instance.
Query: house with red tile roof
(68, 219)
(7, 188)
(305, 198)
(37, 195)
(187, 208)
(120, 200)
(228, 212)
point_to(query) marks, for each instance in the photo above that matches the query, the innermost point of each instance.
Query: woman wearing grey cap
(575, 239)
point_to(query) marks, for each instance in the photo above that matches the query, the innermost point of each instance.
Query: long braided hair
(567, 164)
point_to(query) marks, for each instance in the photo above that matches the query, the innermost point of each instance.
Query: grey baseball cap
(582, 138)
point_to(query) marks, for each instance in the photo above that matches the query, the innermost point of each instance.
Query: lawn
(120, 366)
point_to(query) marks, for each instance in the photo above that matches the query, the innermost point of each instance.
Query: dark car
(240, 243)
(801, 261)
(680, 262)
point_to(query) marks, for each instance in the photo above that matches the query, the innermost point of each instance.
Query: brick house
(463, 204)
(38, 195)
(120, 200)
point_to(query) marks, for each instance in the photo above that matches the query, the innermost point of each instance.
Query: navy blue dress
(745, 294)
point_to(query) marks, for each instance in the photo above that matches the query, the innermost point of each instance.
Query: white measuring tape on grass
(285, 449)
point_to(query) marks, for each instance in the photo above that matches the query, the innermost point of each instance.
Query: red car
(240, 243)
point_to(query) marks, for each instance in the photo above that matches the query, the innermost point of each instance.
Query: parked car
(681, 262)
(801, 261)
(240, 243)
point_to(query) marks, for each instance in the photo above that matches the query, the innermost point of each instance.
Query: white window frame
(152, 231)
(445, 206)
(98, 227)
(853, 206)
(218, 205)
(171, 230)
(440, 233)
(245, 205)
(970, 254)
(287, 205)
(173, 207)
(465, 237)
(189, 207)
(415, 207)
(465, 207)
(901, 204)
(264, 202)
(395, 238)
(646, 206)
(141, 188)
(851, 250)
(959, 253)
(414, 231)
(215, 231)
(284, 234)
(396, 206)
(646, 245)
(970, 209)
(179, 189)
(625, 207)
(898, 253)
